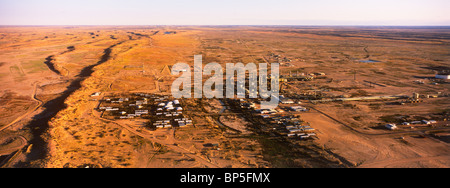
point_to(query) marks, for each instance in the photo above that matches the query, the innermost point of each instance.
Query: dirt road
(398, 163)
(33, 96)
(378, 150)
(7, 151)
(420, 132)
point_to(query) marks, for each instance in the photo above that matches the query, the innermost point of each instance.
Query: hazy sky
(224, 12)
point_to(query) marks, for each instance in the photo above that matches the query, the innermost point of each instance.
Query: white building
(291, 135)
(445, 77)
(299, 109)
(140, 112)
(287, 101)
(295, 130)
(96, 94)
(304, 137)
(426, 122)
(391, 126)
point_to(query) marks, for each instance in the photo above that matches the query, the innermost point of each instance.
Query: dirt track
(380, 134)
(8, 151)
(398, 163)
(170, 143)
(377, 150)
(33, 96)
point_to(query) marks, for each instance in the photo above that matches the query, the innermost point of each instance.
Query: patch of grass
(34, 66)
(41, 53)
(76, 57)
(15, 70)
(2, 75)
(18, 73)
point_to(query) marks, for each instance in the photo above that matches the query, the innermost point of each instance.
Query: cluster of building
(109, 109)
(123, 112)
(247, 105)
(164, 113)
(294, 126)
(172, 112)
(280, 59)
(169, 109)
(302, 135)
(291, 124)
(181, 122)
(266, 111)
(160, 124)
(392, 126)
(299, 128)
(137, 113)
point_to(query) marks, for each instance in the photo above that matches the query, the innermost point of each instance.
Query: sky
(225, 12)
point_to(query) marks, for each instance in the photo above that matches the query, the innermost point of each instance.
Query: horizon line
(199, 25)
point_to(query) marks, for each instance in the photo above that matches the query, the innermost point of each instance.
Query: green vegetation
(16, 71)
(34, 66)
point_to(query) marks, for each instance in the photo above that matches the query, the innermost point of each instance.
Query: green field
(34, 66)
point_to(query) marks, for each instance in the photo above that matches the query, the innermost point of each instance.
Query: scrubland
(48, 75)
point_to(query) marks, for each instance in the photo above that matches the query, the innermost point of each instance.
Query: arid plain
(352, 81)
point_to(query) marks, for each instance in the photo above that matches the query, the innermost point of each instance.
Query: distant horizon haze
(221, 13)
